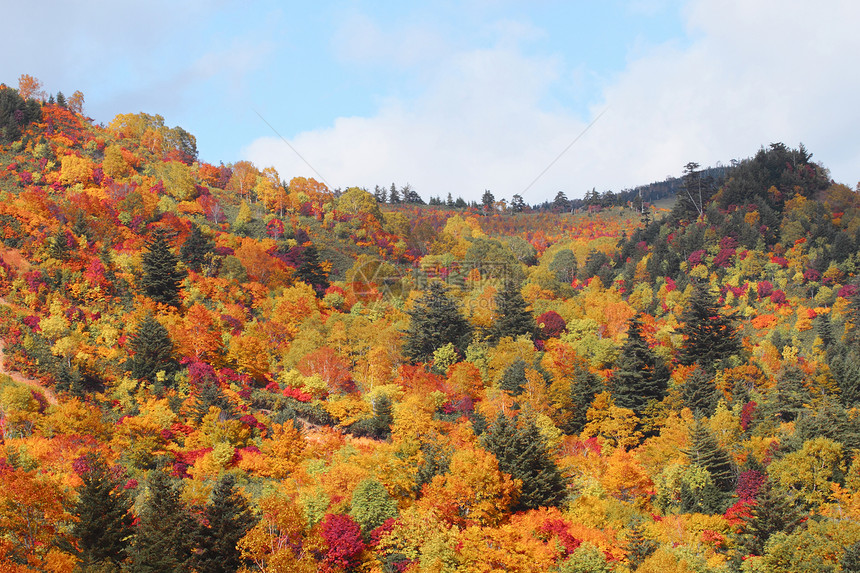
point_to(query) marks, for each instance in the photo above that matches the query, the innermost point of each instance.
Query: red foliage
(551, 324)
(749, 483)
(778, 297)
(343, 537)
(558, 529)
(764, 289)
(747, 414)
(330, 367)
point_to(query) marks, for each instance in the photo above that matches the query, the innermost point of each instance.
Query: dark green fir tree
(161, 274)
(152, 351)
(227, 518)
(514, 378)
(522, 453)
(639, 375)
(196, 249)
(709, 335)
(164, 540)
(436, 320)
(772, 513)
(310, 271)
(103, 528)
(699, 393)
(512, 318)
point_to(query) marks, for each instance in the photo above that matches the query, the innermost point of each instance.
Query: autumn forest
(223, 368)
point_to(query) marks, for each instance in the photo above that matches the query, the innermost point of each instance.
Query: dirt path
(20, 378)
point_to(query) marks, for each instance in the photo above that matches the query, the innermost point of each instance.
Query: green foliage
(196, 249)
(514, 378)
(639, 375)
(709, 336)
(161, 275)
(228, 517)
(699, 393)
(310, 271)
(371, 505)
(152, 352)
(164, 540)
(511, 317)
(522, 453)
(103, 529)
(564, 266)
(435, 321)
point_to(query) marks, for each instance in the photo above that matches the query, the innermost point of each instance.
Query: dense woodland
(213, 368)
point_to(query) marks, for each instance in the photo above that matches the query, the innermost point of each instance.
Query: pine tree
(488, 201)
(161, 274)
(393, 195)
(699, 393)
(709, 336)
(512, 319)
(58, 247)
(583, 388)
(514, 378)
(228, 517)
(153, 351)
(522, 453)
(310, 271)
(638, 546)
(196, 249)
(436, 321)
(705, 452)
(104, 522)
(518, 205)
(164, 538)
(772, 513)
(639, 375)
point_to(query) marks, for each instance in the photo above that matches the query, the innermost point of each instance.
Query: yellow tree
(30, 87)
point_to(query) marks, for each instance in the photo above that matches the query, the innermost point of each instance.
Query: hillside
(211, 368)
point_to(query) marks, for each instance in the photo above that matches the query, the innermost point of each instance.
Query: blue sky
(463, 96)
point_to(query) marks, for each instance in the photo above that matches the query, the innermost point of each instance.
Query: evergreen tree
(228, 517)
(488, 201)
(514, 378)
(639, 375)
(61, 99)
(393, 195)
(522, 453)
(511, 316)
(310, 271)
(583, 388)
(436, 321)
(772, 513)
(638, 546)
(164, 539)
(153, 351)
(709, 336)
(161, 274)
(564, 266)
(449, 202)
(705, 452)
(58, 248)
(103, 528)
(371, 505)
(699, 393)
(196, 249)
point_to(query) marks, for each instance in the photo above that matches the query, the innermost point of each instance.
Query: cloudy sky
(517, 97)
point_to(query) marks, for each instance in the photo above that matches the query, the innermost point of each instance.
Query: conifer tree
(699, 393)
(164, 539)
(705, 452)
(371, 505)
(522, 453)
(195, 249)
(161, 275)
(311, 272)
(639, 374)
(103, 529)
(583, 388)
(514, 378)
(228, 518)
(153, 351)
(436, 321)
(709, 336)
(772, 513)
(511, 316)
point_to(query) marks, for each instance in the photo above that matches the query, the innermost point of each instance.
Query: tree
(161, 274)
(772, 513)
(371, 505)
(518, 205)
(228, 518)
(704, 451)
(694, 193)
(639, 375)
(709, 336)
(435, 321)
(522, 453)
(488, 200)
(393, 195)
(310, 271)
(514, 378)
(153, 351)
(699, 393)
(76, 102)
(61, 99)
(564, 266)
(511, 315)
(560, 204)
(103, 529)
(196, 249)
(30, 87)
(163, 542)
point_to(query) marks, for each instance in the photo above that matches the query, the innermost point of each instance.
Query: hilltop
(272, 375)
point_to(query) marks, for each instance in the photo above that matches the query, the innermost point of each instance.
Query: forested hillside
(222, 368)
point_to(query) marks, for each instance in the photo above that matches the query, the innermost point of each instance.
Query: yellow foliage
(74, 169)
(613, 426)
(348, 409)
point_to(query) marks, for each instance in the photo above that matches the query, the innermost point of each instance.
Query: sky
(528, 98)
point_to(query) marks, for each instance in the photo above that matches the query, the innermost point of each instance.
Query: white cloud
(754, 73)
